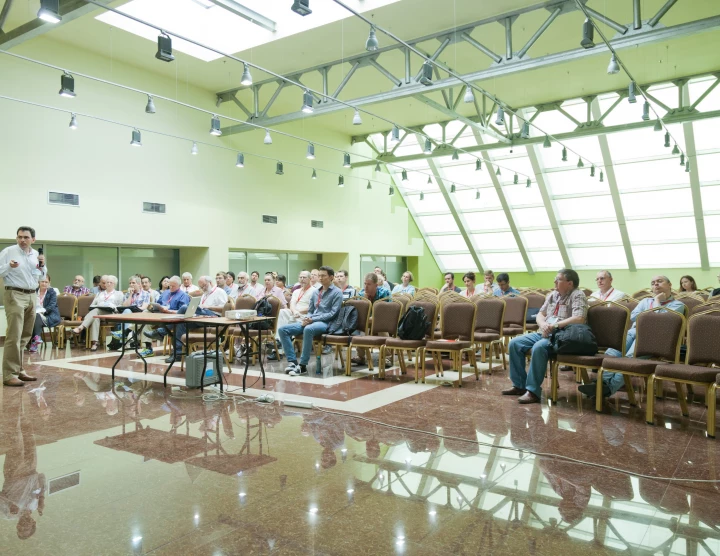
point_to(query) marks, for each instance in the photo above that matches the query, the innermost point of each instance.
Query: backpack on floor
(264, 309)
(574, 339)
(414, 324)
(345, 323)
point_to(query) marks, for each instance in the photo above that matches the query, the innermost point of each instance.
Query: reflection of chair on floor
(461, 429)
(668, 498)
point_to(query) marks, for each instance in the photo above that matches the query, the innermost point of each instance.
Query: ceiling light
(500, 120)
(164, 51)
(646, 111)
(377, 167)
(67, 85)
(307, 106)
(658, 125)
(588, 34)
(268, 139)
(50, 11)
(369, 185)
(478, 165)
(150, 106)
(301, 7)
(391, 191)
(426, 73)
(527, 183)
(357, 120)
(395, 134)
(346, 160)
(428, 147)
(136, 139)
(404, 175)
(687, 165)
(240, 161)
(682, 159)
(631, 93)
(602, 176)
(477, 195)
(215, 126)
(667, 139)
(580, 163)
(515, 179)
(613, 66)
(525, 133)
(194, 149)
(564, 154)
(546, 143)
(675, 149)
(341, 181)
(310, 152)
(246, 78)
(371, 44)
(452, 188)
(314, 175)
(592, 171)
(422, 196)
(279, 169)
(73, 122)
(497, 171)
(429, 180)
(469, 96)
(455, 155)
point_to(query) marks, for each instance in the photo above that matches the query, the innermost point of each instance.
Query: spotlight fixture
(150, 106)
(527, 183)
(497, 172)
(469, 96)
(646, 111)
(391, 191)
(602, 176)
(67, 85)
(369, 185)
(215, 126)
(136, 139)
(279, 169)
(564, 154)
(682, 159)
(194, 149)
(452, 188)
(546, 143)
(613, 66)
(73, 122)
(301, 7)
(314, 175)
(525, 133)
(268, 139)
(687, 165)
(422, 196)
(428, 147)
(658, 125)
(477, 194)
(404, 175)
(588, 34)
(240, 163)
(631, 93)
(50, 11)
(429, 180)
(667, 139)
(426, 73)
(395, 134)
(675, 149)
(246, 78)
(346, 160)
(580, 163)
(371, 44)
(515, 179)
(357, 120)
(592, 171)
(455, 155)
(307, 105)
(341, 181)
(500, 120)
(478, 165)
(310, 152)
(164, 51)
(377, 167)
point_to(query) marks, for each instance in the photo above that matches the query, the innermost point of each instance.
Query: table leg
(246, 332)
(137, 343)
(260, 359)
(122, 354)
(184, 351)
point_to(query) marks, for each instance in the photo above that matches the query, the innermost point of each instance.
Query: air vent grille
(59, 484)
(267, 219)
(157, 208)
(69, 199)
(316, 223)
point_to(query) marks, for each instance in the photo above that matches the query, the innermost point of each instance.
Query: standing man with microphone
(21, 267)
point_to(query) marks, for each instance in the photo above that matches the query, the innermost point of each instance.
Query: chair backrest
(83, 305)
(703, 339)
(403, 298)
(490, 315)
(515, 310)
(628, 302)
(659, 334)
(363, 306)
(229, 306)
(691, 302)
(245, 302)
(275, 304)
(386, 316)
(609, 322)
(67, 305)
(458, 319)
(707, 306)
(535, 300)
(431, 290)
(426, 296)
(431, 313)
(642, 294)
(587, 292)
(451, 296)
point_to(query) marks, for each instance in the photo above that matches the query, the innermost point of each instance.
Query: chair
(363, 307)
(701, 366)
(642, 294)
(67, 306)
(587, 292)
(426, 289)
(535, 301)
(691, 301)
(515, 316)
(386, 314)
(456, 337)
(403, 298)
(658, 339)
(243, 302)
(424, 295)
(83, 308)
(416, 346)
(256, 336)
(609, 322)
(629, 302)
(489, 323)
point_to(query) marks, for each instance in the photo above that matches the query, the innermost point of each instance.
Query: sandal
(78, 330)
(94, 346)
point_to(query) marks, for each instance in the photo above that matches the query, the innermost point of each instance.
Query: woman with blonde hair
(105, 302)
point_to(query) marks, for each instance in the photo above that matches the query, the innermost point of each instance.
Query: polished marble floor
(93, 465)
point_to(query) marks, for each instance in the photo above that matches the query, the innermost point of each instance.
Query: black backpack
(264, 309)
(574, 339)
(345, 323)
(414, 324)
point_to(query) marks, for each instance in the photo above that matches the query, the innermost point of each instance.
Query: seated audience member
(164, 284)
(606, 291)
(255, 285)
(212, 296)
(187, 286)
(231, 287)
(663, 297)
(565, 305)
(146, 284)
(78, 287)
(244, 287)
(341, 281)
(297, 284)
(503, 286)
(469, 279)
(716, 291)
(96, 289)
(170, 302)
(135, 297)
(220, 280)
(315, 279)
(687, 284)
(272, 289)
(281, 282)
(46, 312)
(106, 301)
(325, 304)
(405, 287)
(382, 279)
(449, 283)
(489, 286)
(372, 292)
(299, 306)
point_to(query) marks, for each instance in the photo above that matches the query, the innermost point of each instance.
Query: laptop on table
(189, 313)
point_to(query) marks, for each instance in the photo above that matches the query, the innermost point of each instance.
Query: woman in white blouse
(405, 287)
(104, 301)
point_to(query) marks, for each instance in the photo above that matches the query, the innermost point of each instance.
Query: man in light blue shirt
(325, 305)
(503, 286)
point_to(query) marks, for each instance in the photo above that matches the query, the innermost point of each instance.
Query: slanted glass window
(465, 199)
(706, 135)
(641, 143)
(592, 234)
(698, 88)
(433, 202)
(652, 203)
(714, 253)
(712, 226)
(546, 260)
(554, 122)
(447, 243)
(710, 197)
(662, 229)
(501, 240)
(669, 255)
(574, 181)
(465, 174)
(438, 223)
(538, 239)
(650, 174)
(457, 262)
(532, 217)
(584, 208)
(598, 257)
(708, 167)
(505, 261)
(521, 195)
(490, 220)
(623, 113)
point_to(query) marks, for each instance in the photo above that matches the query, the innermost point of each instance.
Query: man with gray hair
(606, 291)
(244, 287)
(171, 300)
(187, 286)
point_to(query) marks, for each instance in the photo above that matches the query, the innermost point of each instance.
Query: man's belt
(21, 290)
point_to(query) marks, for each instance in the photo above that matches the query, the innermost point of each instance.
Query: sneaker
(153, 334)
(326, 350)
(274, 356)
(170, 359)
(590, 390)
(35, 343)
(299, 370)
(147, 353)
(117, 335)
(292, 365)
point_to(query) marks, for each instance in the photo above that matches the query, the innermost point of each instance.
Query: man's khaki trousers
(20, 315)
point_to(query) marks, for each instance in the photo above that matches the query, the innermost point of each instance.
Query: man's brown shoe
(26, 377)
(514, 391)
(528, 397)
(13, 382)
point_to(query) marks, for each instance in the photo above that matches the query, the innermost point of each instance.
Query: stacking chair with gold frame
(386, 315)
(67, 307)
(701, 367)
(271, 332)
(456, 337)
(489, 319)
(535, 301)
(413, 346)
(426, 289)
(658, 339)
(83, 308)
(423, 295)
(403, 298)
(642, 294)
(514, 322)
(243, 302)
(362, 306)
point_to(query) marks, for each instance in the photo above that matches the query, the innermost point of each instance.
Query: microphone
(40, 252)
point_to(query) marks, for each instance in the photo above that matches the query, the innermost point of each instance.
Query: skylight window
(217, 27)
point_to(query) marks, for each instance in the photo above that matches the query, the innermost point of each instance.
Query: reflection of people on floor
(43, 406)
(328, 431)
(23, 490)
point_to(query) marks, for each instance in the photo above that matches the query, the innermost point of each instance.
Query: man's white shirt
(611, 295)
(216, 297)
